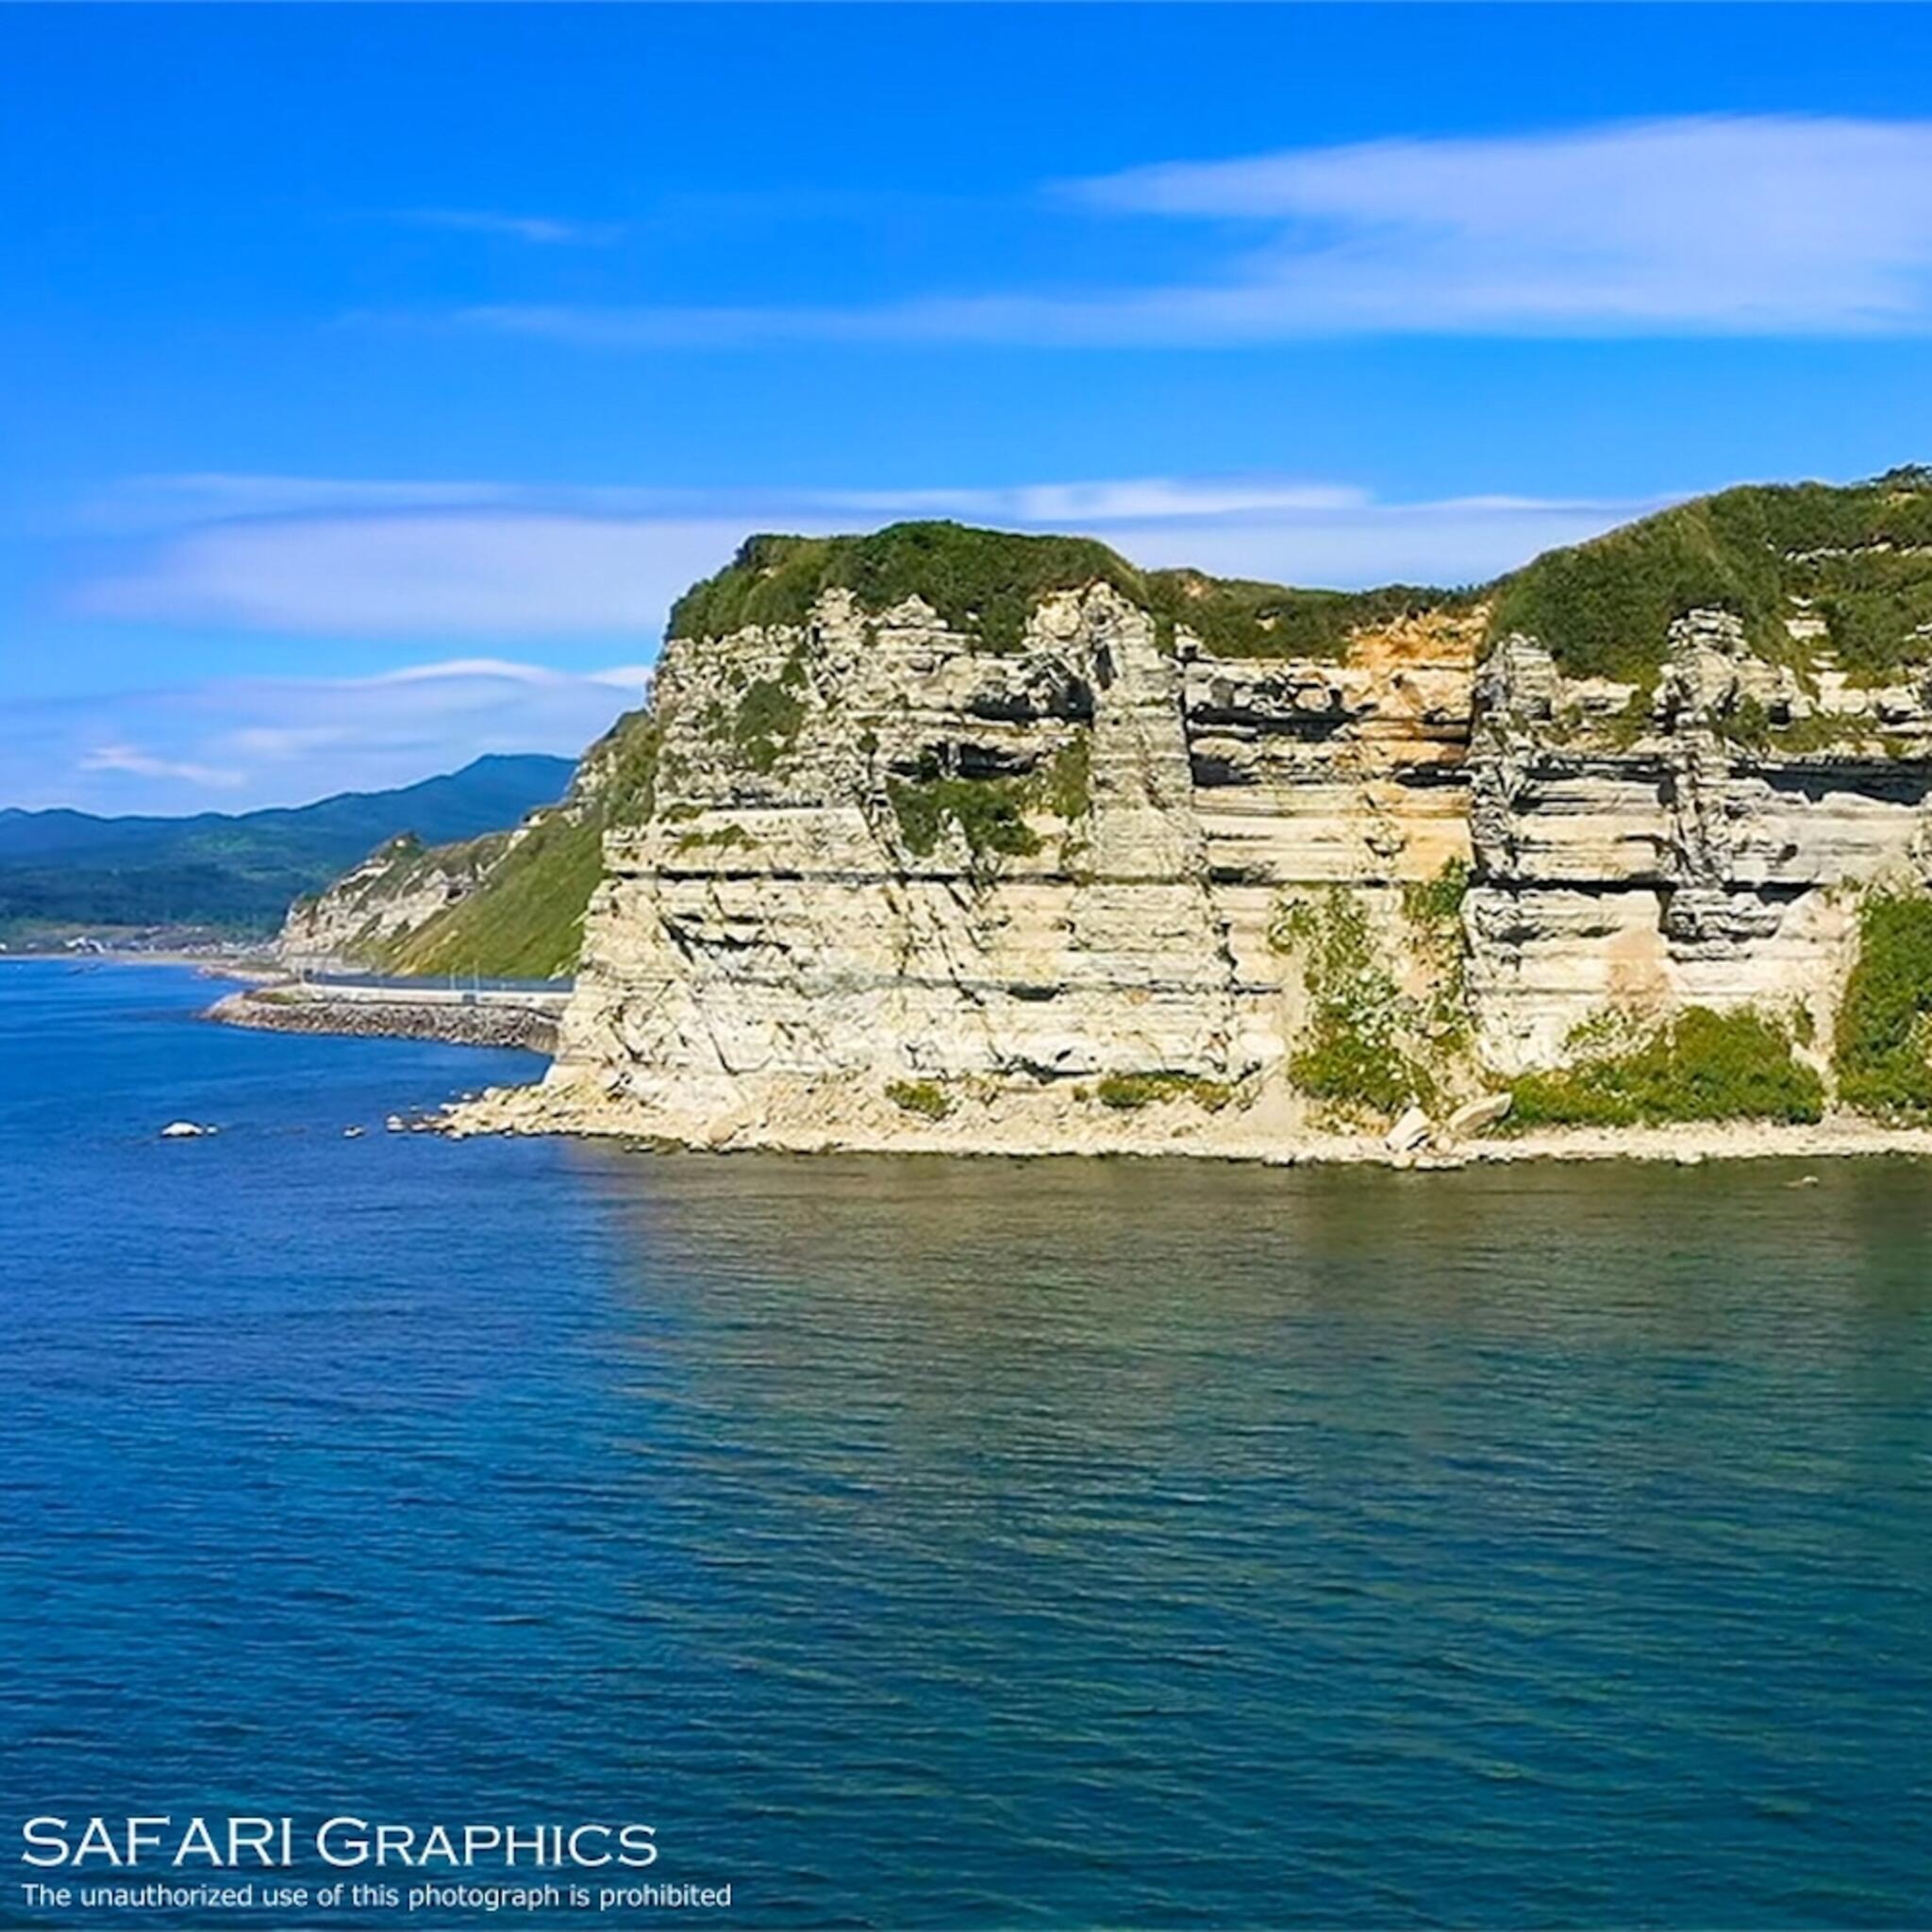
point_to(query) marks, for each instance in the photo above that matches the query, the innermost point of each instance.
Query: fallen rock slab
(1477, 1116)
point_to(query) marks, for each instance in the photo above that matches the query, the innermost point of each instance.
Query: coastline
(832, 1119)
(215, 966)
(837, 1117)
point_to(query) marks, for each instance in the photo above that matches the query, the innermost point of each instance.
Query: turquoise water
(926, 1543)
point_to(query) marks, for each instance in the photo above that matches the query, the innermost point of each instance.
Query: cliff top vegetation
(1858, 559)
(987, 582)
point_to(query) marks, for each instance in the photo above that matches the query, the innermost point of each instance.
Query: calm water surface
(928, 1543)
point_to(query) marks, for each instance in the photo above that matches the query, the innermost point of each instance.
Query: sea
(909, 1542)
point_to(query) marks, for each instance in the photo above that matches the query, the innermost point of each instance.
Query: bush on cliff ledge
(1883, 1052)
(1365, 1045)
(990, 813)
(1700, 1066)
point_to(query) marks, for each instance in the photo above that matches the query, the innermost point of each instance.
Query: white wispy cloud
(541, 231)
(495, 562)
(1715, 224)
(242, 742)
(454, 572)
(136, 763)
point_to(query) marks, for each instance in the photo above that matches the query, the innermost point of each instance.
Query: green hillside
(70, 870)
(1861, 558)
(526, 920)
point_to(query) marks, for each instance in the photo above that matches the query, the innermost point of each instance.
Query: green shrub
(1700, 1066)
(767, 721)
(1127, 1092)
(1069, 784)
(623, 766)
(726, 839)
(1882, 1051)
(1362, 1048)
(991, 812)
(1437, 904)
(1433, 909)
(927, 1098)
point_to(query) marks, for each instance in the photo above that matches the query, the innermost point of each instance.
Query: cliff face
(1691, 846)
(370, 911)
(883, 854)
(955, 839)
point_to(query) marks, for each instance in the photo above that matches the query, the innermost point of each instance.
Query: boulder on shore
(1477, 1116)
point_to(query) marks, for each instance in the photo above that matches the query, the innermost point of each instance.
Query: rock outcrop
(883, 856)
(953, 839)
(368, 915)
(1689, 846)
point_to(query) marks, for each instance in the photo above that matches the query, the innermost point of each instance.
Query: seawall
(525, 1020)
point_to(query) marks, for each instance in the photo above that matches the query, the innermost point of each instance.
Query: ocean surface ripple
(950, 1543)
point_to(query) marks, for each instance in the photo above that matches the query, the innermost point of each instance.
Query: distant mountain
(67, 870)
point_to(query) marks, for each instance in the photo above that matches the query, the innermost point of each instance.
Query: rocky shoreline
(799, 1120)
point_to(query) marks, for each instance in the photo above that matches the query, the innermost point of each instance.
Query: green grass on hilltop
(986, 583)
(1861, 557)
(1605, 608)
(983, 580)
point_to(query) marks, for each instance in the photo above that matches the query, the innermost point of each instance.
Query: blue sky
(370, 380)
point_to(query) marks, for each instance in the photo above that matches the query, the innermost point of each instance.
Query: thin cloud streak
(1725, 225)
(539, 231)
(447, 573)
(140, 764)
(243, 742)
(518, 566)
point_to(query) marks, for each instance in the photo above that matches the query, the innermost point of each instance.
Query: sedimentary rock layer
(1002, 839)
